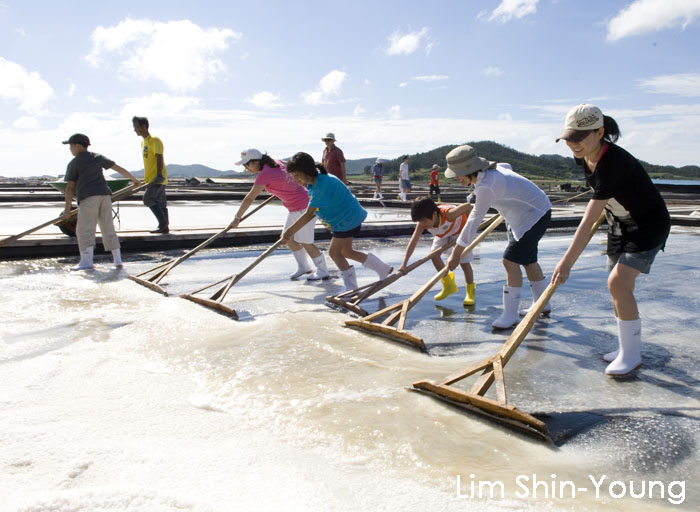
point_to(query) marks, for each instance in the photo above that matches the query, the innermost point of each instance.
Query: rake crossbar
(116, 196)
(163, 268)
(492, 372)
(215, 301)
(399, 311)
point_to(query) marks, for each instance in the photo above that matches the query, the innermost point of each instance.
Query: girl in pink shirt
(271, 175)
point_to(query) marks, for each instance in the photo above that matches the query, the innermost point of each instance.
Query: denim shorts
(406, 184)
(637, 260)
(351, 233)
(524, 251)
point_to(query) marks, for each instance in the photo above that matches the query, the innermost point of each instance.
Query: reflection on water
(291, 365)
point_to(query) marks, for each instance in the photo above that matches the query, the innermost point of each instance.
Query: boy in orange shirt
(445, 222)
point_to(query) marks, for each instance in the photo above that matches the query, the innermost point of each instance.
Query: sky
(387, 77)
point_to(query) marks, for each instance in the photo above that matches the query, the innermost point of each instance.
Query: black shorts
(435, 188)
(351, 233)
(524, 251)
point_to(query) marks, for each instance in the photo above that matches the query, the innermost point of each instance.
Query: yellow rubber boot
(448, 287)
(470, 299)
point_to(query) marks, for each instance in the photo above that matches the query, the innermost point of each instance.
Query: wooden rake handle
(515, 339)
(120, 194)
(221, 293)
(174, 263)
(413, 299)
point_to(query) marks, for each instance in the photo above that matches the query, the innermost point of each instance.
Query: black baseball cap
(78, 138)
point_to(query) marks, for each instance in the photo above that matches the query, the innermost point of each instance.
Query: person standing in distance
(155, 174)
(435, 182)
(637, 217)
(377, 175)
(85, 180)
(333, 159)
(404, 180)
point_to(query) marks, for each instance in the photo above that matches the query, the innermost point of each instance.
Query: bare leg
(534, 272)
(514, 276)
(621, 285)
(311, 250)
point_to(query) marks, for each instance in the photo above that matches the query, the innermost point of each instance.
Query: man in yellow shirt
(155, 174)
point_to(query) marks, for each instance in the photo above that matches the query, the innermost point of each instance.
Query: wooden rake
(398, 312)
(491, 370)
(162, 270)
(349, 300)
(215, 300)
(116, 196)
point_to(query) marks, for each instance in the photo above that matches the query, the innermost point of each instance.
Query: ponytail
(611, 130)
(321, 169)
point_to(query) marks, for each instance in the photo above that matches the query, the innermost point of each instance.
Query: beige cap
(463, 161)
(580, 121)
(329, 136)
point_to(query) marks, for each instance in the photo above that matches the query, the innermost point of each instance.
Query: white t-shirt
(403, 171)
(520, 201)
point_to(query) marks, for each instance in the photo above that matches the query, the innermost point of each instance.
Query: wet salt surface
(115, 395)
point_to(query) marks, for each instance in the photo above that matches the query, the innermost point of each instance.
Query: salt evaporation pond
(117, 398)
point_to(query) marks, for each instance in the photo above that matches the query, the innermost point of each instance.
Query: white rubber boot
(610, 356)
(511, 301)
(321, 269)
(382, 269)
(303, 265)
(85, 260)
(629, 357)
(117, 257)
(349, 279)
(538, 288)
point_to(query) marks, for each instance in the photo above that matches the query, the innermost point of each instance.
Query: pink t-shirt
(279, 183)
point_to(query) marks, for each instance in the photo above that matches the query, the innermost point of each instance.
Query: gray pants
(96, 210)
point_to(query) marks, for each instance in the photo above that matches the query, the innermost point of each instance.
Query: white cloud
(24, 87)
(403, 84)
(266, 100)
(358, 111)
(328, 87)
(180, 54)
(26, 123)
(430, 78)
(405, 44)
(492, 71)
(644, 16)
(509, 9)
(71, 89)
(21, 31)
(159, 105)
(395, 112)
(684, 84)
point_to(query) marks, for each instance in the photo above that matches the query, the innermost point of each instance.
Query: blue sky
(387, 77)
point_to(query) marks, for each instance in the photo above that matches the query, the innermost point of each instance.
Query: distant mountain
(193, 170)
(542, 166)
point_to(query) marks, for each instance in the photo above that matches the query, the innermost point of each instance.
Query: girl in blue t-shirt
(335, 205)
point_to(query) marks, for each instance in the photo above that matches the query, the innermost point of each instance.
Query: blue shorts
(524, 251)
(637, 260)
(405, 184)
(351, 233)
(377, 179)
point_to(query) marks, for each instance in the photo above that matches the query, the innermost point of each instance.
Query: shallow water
(18, 217)
(289, 369)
